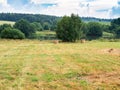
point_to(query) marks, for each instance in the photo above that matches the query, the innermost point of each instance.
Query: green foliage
(105, 28)
(84, 28)
(10, 33)
(2, 27)
(25, 27)
(51, 20)
(94, 30)
(118, 32)
(37, 26)
(69, 28)
(115, 27)
(46, 26)
(33, 36)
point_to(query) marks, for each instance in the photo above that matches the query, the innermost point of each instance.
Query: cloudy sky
(92, 8)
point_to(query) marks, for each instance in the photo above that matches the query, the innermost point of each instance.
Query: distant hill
(42, 18)
(50, 20)
(92, 19)
(30, 17)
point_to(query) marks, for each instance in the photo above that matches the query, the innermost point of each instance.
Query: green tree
(46, 26)
(94, 30)
(84, 28)
(105, 28)
(2, 27)
(115, 27)
(10, 33)
(69, 28)
(25, 27)
(117, 32)
(38, 26)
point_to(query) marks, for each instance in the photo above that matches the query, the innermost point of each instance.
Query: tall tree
(69, 28)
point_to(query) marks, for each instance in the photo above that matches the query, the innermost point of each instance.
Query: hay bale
(83, 40)
(55, 41)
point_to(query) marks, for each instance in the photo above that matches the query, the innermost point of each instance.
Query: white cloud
(5, 7)
(81, 7)
(42, 1)
(3, 3)
(93, 8)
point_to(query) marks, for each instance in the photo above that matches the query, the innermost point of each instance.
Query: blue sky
(91, 8)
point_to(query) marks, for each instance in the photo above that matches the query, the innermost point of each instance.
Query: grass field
(6, 22)
(46, 35)
(104, 23)
(43, 65)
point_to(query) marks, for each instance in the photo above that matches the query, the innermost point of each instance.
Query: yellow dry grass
(43, 65)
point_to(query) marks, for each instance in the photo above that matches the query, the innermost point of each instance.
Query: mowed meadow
(43, 65)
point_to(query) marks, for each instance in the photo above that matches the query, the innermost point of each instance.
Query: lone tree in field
(69, 28)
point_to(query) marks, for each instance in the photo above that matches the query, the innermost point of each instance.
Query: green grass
(45, 32)
(46, 35)
(37, 65)
(108, 35)
(6, 22)
(101, 22)
(105, 23)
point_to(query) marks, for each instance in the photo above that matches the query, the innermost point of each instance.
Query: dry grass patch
(42, 65)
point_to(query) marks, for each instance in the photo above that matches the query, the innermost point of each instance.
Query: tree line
(71, 29)
(68, 29)
(47, 22)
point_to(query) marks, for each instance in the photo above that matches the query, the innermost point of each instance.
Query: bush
(25, 27)
(94, 30)
(2, 27)
(10, 33)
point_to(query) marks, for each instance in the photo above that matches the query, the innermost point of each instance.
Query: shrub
(94, 30)
(2, 27)
(10, 33)
(25, 27)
